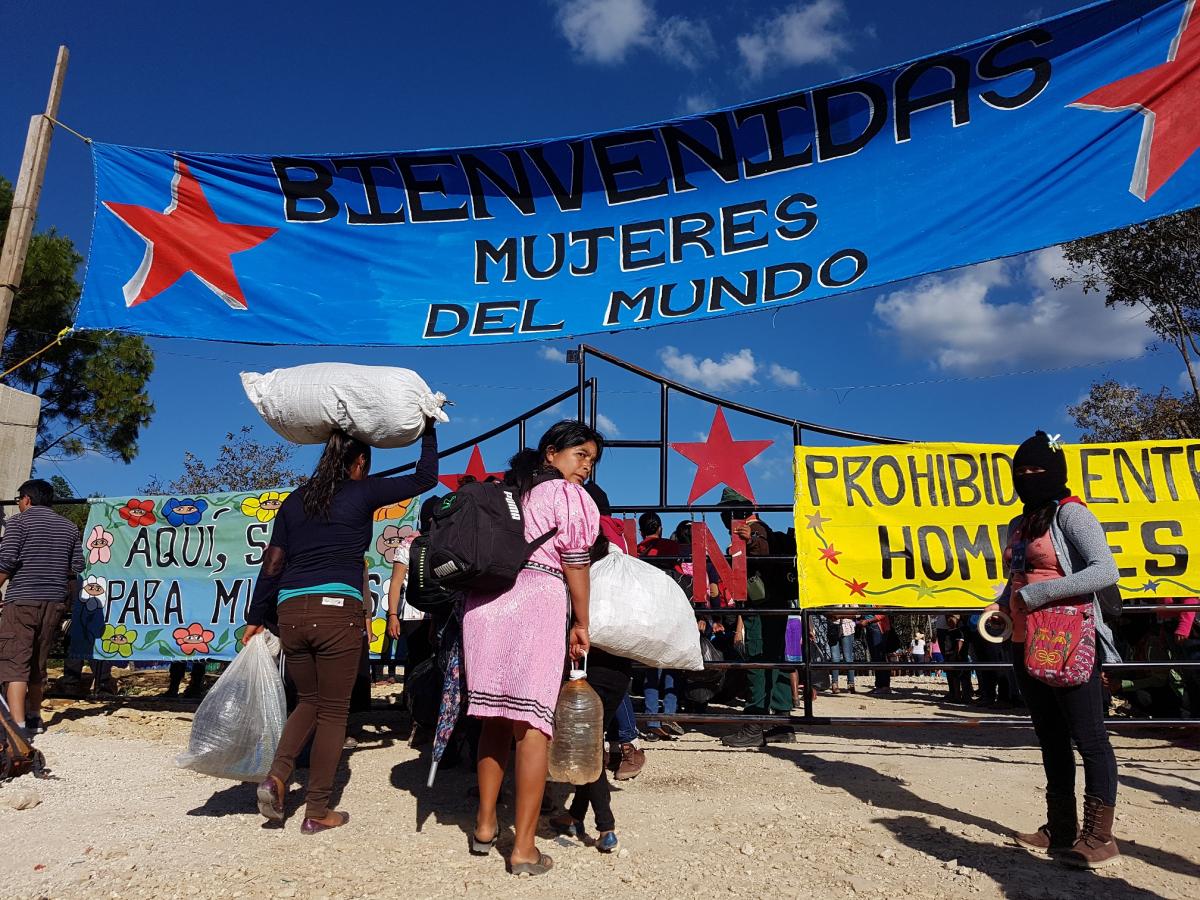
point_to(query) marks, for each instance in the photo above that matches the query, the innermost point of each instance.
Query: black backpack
(476, 540)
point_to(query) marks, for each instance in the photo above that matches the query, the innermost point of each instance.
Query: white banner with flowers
(169, 578)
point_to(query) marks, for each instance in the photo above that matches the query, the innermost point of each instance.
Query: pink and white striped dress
(515, 643)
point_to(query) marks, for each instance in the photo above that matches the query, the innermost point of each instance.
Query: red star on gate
(720, 459)
(1168, 97)
(186, 237)
(475, 468)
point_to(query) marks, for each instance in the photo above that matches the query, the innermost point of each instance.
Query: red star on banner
(720, 459)
(186, 237)
(857, 587)
(475, 468)
(830, 554)
(1168, 97)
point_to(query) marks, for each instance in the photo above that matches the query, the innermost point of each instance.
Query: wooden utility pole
(27, 192)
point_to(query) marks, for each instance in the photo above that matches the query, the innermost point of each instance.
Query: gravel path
(862, 812)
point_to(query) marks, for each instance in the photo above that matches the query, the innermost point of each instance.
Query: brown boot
(1060, 831)
(1096, 846)
(632, 761)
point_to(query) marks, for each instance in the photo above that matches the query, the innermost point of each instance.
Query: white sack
(237, 728)
(639, 612)
(382, 406)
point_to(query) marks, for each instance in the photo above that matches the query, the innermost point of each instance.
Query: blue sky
(944, 358)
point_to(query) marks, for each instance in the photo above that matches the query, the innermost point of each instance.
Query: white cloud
(957, 321)
(783, 376)
(552, 353)
(605, 31)
(697, 103)
(734, 369)
(803, 33)
(607, 426)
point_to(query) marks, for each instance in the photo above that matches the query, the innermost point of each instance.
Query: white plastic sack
(639, 612)
(382, 406)
(238, 725)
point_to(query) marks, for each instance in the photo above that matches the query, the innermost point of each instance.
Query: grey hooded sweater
(1087, 564)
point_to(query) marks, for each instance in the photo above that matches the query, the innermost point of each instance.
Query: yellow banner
(926, 524)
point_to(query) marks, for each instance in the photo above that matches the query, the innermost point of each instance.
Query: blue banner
(170, 578)
(1068, 127)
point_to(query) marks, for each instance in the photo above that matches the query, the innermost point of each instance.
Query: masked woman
(312, 579)
(1056, 553)
(515, 643)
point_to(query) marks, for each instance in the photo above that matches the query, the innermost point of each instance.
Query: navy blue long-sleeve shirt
(330, 551)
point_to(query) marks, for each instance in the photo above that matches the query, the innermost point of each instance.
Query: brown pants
(27, 631)
(321, 643)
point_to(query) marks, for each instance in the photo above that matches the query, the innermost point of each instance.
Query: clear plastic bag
(238, 725)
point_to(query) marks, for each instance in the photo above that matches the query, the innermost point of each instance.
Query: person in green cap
(762, 636)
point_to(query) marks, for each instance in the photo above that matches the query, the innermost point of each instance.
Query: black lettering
(1037, 66)
(785, 213)
(940, 462)
(140, 547)
(528, 312)
(191, 560)
(591, 241)
(489, 318)
(825, 274)
(771, 113)
(415, 187)
(258, 536)
(173, 608)
(295, 191)
(966, 491)
(985, 474)
(629, 246)
(731, 229)
(722, 161)
(881, 493)
(1087, 477)
(720, 285)
(852, 469)
(829, 147)
(681, 237)
(771, 291)
(1001, 466)
(116, 591)
(668, 290)
(513, 186)
(149, 588)
(1164, 455)
(917, 477)
(611, 170)
(558, 241)
(813, 476)
(460, 314)
(486, 251)
(981, 546)
(366, 166)
(1144, 480)
(887, 554)
(924, 533)
(569, 199)
(956, 94)
(228, 600)
(619, 300)
(165, 556)
(1110, 527)
(1177, 552)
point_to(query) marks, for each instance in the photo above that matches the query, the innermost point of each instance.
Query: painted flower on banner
(265, 505)
(193, 639)
(378, 630)
(117, 640)
(95, 588)
(395, 511)
(138, 513)
(99, 546)
(187, 511)
(391, 540)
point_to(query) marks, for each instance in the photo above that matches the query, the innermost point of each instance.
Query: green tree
(76, 512)
(93, 386)
(1118, 412)
(242, 464)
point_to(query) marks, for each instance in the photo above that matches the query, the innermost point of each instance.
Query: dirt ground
(845, 811)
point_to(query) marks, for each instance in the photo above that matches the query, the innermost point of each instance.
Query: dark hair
(599, 497)
(1035, 524)
(683, 532)
(528, 467)
(649, 523)
(332, 470)
(39, 492)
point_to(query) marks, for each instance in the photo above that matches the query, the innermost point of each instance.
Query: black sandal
(476, 847)
(541, 867)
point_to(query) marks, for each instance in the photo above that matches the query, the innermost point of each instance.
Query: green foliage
(242, 464)
(76, 512)
(93, 386)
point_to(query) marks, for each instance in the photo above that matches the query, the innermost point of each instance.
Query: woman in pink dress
(515, 643)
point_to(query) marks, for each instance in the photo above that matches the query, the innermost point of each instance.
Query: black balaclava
(1038, 490)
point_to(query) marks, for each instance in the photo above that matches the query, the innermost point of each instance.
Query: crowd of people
(516, 642)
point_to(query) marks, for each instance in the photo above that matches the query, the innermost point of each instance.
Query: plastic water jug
(577, 751)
